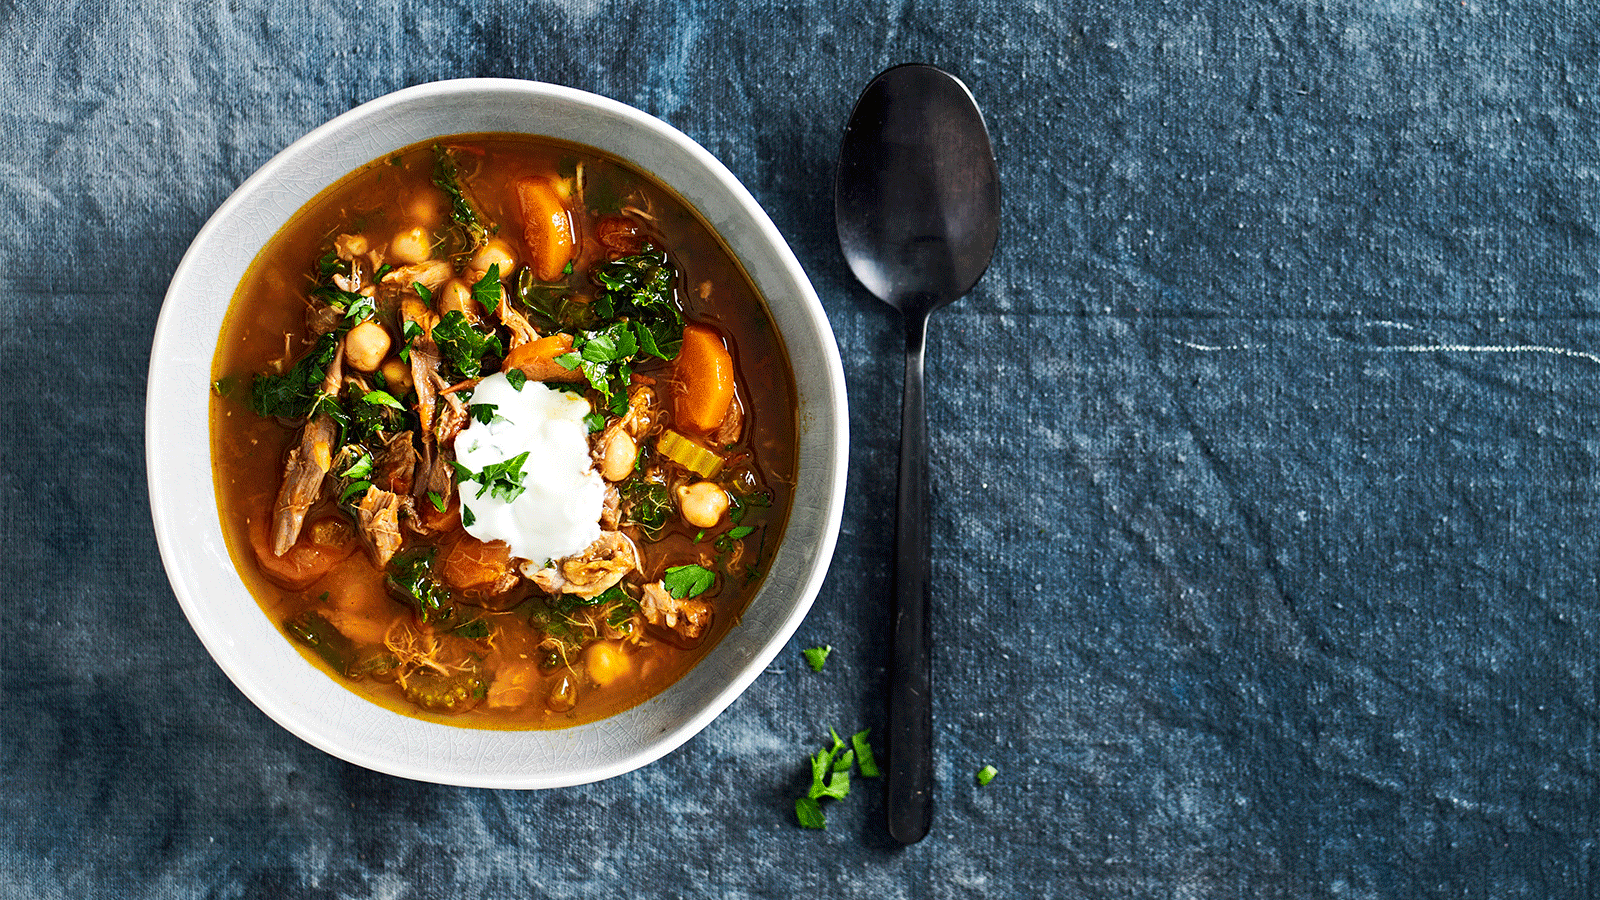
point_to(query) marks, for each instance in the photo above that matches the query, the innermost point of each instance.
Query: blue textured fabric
(1265, 458)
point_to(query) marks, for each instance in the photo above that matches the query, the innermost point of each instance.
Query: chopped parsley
(423, 292)
(488, 290)
(817, 656)
(987, 774)
(293, 394)
(382, 398)
(864, 757)
(408, 333)
(485, 413)
(687, 581)
(436, 500)
(468, 232)
(501, 480)
(516, 378)
(809, 812)
(461, 345)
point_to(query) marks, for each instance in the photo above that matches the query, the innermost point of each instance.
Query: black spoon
(917, 205)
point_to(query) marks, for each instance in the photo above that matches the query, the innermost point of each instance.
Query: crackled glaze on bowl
(250, 649)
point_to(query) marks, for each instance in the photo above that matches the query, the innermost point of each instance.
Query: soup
(501, 435)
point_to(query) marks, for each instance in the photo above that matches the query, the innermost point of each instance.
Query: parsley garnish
(501, 480)
(461, 345)
(686, 581)
(488, 290)
(864, 757)
(293, 394)
(361, 468)
(516, 378)
(987, 774)
(809, 813)
(485, 413)
(436, 500)
(359, 487)
(469, 233)
(408, 333)
(411, 579)
(817, 656)
(382, 398)
(595, 421)
(223, 386)
(423, 292)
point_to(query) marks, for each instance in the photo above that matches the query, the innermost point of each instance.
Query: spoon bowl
(917, 207)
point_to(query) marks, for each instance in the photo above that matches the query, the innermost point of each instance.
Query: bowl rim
(172, 535)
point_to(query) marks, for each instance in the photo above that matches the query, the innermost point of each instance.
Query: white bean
(702, 504)
(365, 346)
(412, 245)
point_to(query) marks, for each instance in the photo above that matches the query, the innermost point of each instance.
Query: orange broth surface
(523, 658)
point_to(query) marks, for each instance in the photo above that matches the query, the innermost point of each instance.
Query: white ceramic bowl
(247, 646)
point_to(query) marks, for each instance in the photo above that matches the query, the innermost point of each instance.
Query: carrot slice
(537, 359)
(547, 228)
(704, 380)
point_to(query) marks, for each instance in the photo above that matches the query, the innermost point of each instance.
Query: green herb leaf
(293, 394)
(360, 468)
(648, 505)
(502, 480)
(467, 518)
(409, 332)
(864, 757)
(516, 378)
(595, 421)
(687, 581)
(436, 500)
(382, 398)
(987, 774)
(740, 533)
(485, 413)
(411, 579)
(468, 233)
(223, 386)
(461, 345)
(488, 290)
(359, 487)
(816, 656)
(809, 813)
(423, 292)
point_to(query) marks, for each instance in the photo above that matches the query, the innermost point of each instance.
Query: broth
(378, 582)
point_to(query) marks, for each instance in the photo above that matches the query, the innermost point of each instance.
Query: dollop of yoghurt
(557, 514)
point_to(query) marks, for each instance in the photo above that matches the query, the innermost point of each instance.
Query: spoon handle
(910, 781)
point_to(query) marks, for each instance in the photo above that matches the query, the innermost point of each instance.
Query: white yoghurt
(558, 512)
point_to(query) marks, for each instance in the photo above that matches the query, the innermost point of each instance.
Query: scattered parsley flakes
(987, 774)
(740, 533)
(595, 421)
(361, 468)
(686, 581)
(436, 500)
(467, 518)
(816, 656)
(516, 378)
(423, 292)
(864, 757)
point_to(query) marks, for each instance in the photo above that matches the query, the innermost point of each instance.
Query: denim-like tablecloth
(1265, 458)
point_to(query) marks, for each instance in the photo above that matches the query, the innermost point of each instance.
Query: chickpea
(702, 503)
(495, 251)
(365, 346)
(619, 455)
(457, 296)
(427, 207)
(412, 245)
(606, 662)
(350, 246)
(397, 375)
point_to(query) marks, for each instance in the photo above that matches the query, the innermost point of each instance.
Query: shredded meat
(611, 512)
(732, 426)
(378, 521)
(303, 474)
(431, 274)
(397, 466)
(688, 619)
(590, 573)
